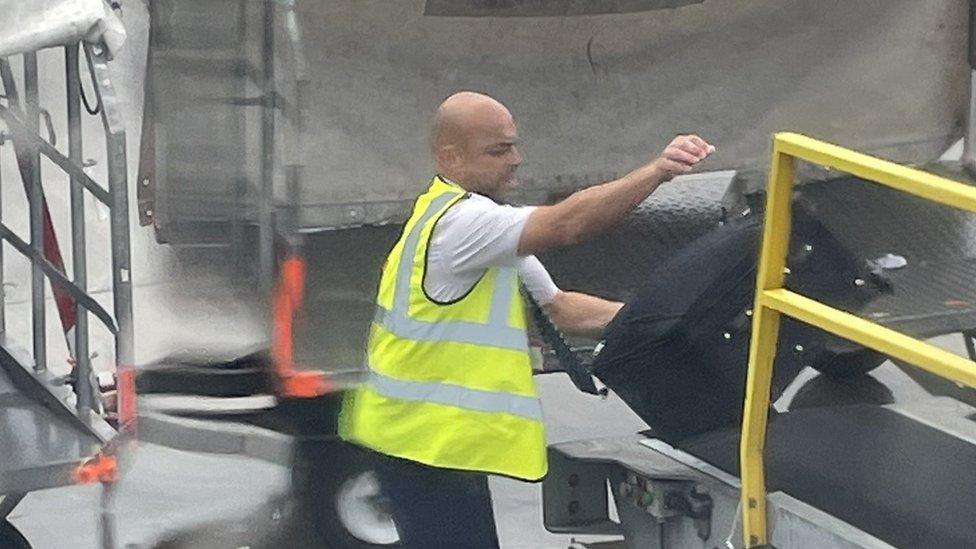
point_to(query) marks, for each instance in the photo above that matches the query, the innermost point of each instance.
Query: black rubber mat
(904, 482)
(935, 292)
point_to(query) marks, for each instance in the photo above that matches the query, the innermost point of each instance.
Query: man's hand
(581, 314)
(681, 155)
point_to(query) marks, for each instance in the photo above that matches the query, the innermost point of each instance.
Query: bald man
(449, 397)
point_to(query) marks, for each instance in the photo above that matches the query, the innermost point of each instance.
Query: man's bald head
(464, 113)
(473, 142)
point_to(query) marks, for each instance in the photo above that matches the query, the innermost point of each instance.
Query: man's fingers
(683, 153)
(701, 143)
(676, 154)
(689, 147)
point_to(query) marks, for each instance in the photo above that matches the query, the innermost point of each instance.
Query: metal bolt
(749, 312)
(97, 50)
(145, 182)
(798, 348)
(807, 248)
(149, 213)
(727, 335)
(647, 499)
(859, 282)
(786, 270)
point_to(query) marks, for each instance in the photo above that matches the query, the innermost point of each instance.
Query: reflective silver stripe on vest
(497, 333)
(453, 395)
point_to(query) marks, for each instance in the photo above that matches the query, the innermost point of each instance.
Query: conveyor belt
(900, 480)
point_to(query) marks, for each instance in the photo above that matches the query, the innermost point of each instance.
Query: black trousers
(438, 508)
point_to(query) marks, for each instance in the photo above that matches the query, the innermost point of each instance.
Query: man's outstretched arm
(576, 313)
(595, 209)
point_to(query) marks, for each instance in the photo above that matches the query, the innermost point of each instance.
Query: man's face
(490, 156)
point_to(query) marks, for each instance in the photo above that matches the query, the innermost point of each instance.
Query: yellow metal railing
(773, 300)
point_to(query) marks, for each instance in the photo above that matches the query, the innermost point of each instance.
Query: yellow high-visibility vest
(449, 384)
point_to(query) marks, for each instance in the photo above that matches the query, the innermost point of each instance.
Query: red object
(287, 301)
(100, 468)
(63, 299)
(126, 395)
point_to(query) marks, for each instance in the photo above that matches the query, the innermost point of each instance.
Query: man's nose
(516, 156)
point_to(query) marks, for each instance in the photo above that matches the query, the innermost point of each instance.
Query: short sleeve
(536, 280)
(476, 233)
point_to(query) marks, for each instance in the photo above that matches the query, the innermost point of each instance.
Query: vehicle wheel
(847, 365)
(341, 498)
(11, 538)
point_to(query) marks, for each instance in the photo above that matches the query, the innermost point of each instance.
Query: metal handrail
(773, 299)
(30, 144)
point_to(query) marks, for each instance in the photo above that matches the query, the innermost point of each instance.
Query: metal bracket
(694, 504)
(575, 496)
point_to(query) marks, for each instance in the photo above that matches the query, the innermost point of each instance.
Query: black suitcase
(678, 352)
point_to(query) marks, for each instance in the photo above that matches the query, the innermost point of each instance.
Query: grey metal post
(293, 190)
(266, 199)
(118, 187)
(237, 238)
(969, 147)
(3, 296)
(83, 385)
(32, 112)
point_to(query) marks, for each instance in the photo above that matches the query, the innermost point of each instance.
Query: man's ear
(449, 157)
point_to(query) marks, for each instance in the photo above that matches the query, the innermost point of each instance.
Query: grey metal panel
(596, 95)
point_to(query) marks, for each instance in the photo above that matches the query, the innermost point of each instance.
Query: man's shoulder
(474, 204)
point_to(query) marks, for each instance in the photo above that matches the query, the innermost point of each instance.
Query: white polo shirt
(474, 234)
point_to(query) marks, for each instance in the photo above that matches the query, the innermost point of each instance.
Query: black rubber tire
(11, 538)
(321, 467)
(848, 365)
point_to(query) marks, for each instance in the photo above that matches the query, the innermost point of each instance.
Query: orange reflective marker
(287, 301)
(100, 468)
